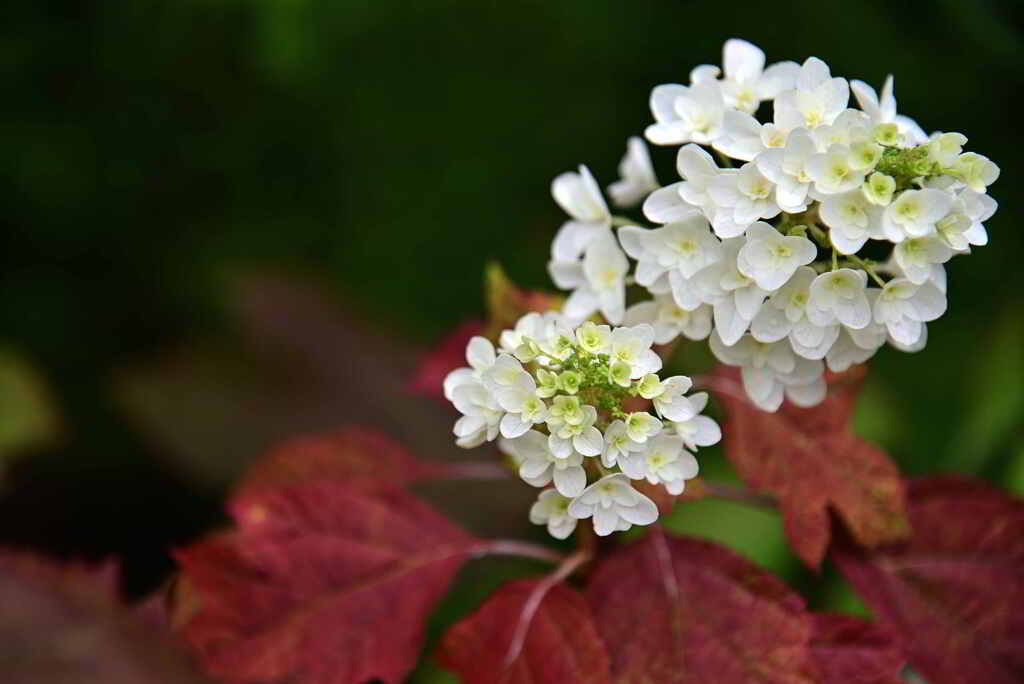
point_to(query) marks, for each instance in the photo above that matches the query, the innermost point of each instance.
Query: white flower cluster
(815, 238)
(563, 399)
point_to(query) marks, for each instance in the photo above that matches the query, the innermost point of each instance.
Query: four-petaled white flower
(914, 213)
(670, 320)
(663, 461)
(882, 110)
(740, 199)
(686, 114)
(904, 307)
(839, 296)
(614, 505)
(817, 99)
(771, 258)
(632, 347)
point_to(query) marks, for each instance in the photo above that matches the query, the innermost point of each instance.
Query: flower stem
(514, 547)
(867, 267)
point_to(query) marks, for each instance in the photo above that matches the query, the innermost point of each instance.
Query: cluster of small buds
(814, 238)
(564, 398)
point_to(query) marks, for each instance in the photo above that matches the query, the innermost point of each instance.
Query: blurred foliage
(28, 418)
(154, 150)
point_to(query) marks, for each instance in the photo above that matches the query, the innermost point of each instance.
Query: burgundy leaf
(446, 356)
(849, 650)
(561, 644)
(954, 592)
(357, 455)
(65, 624)
(681, 611)
(321, 584)
(811, 461)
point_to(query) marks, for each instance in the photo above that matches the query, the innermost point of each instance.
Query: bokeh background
(226, 221)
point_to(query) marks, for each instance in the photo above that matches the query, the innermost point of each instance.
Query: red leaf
(64, 624)
(442, 359)
(561, 645)
(680, 611)
(359, 456)
(320, 584)
(954, 593)
(849, 650)
(811, 461)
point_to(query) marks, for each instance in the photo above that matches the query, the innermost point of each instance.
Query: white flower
(747, 83)
(771, 372)
(839, 296)
(699, 431)
(687, 246)
(593, 338)
(525, 409)
(670, 399)
(636, 175)
(770, 258)
(579, 196)
(735, 298)
(522, 341)
(684, 114)
(740, 199)
(552, 509)
(945, 148)
(632, 347)
(917, 256)
(852, 219)
(847, 351)
(641, 425)
(784, 314)
(832, 173)
(614, 505)
(617, 444)
(914, 213)
(787, 168)
(879, 188)
(481, 414)
(962, 226)
(539, 465)
(817, 98)
(582, 436)
(904, 308)
(670, 320)
(480, 356)
(663, 461)
(697, 169)
(883, 110)
(599, 283)
(977, 171)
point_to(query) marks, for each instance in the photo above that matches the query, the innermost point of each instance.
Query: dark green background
(151, 150)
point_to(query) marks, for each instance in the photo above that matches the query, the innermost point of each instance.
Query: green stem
(835, 259)
(723, 160)
(867, 267)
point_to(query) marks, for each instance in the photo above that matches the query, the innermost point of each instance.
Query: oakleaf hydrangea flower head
(567, 415)
(794, 243)
(770, 248)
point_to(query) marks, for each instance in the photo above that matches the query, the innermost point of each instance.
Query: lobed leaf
(953, 592)
(357, 455)
(679, 611)
(812, 462)
(322, 583)
(849, 650)
(561, 643)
